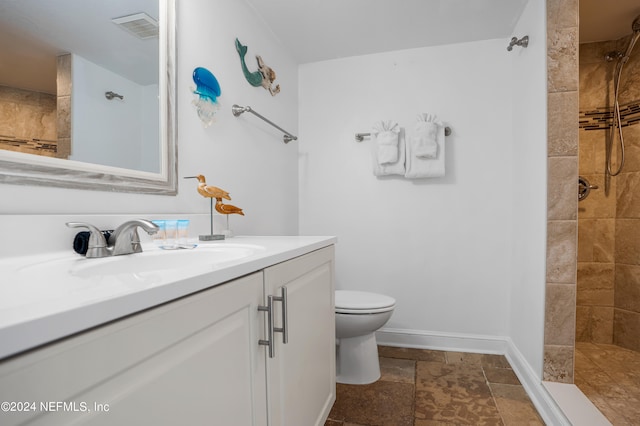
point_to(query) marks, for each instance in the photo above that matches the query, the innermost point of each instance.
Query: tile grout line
(486, 379)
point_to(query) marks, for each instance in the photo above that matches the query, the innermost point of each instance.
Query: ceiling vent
(141, 25)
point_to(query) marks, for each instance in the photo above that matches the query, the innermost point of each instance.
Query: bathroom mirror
(104, 153)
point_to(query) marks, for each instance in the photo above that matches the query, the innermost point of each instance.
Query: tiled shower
(608, 294)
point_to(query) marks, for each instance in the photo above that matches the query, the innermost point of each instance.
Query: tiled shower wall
(35, 122)
(608, 297)
(562, 173)
(26, 115)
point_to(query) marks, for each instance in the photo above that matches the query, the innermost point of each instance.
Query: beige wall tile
(562, 188)
(562, 113)
(562, 13)
(626, 329)
(594, 324)
(8, 114)
(64, 117)
(601, 324)
(558, 363)
(63, 149)
(596, 85)
(562, 59)
(561, 251)
(586, 239)
(595, 284)
(583, 331)
(627, 189)
(628, 241)
(630, 81)
(560, 315)
(596, 239)
(30, 114)
(600, 151)
(631, 135)
(627, 287)
(586, 152)
(592, 151)
(63, 75)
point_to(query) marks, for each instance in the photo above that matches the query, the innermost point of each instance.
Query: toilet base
(357, 360)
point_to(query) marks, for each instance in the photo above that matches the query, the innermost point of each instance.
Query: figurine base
(211, 237)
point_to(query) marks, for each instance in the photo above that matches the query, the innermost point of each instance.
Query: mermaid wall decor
(265, 76)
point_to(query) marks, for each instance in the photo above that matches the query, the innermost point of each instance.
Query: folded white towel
(425, 136)
(396, 168)
(425, 153)
(386, 139)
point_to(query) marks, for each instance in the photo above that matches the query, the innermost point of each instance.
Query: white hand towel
(425, 136)
(397, 168)
(386, 135)
(425, 154)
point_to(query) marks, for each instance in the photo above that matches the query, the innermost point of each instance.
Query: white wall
(463, 254)
(529, 97)
(242, 155)
(442, 246)
(107, 132)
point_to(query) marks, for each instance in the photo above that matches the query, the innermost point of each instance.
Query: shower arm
(237, 110)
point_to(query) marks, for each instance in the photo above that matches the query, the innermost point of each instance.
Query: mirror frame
(28, 169)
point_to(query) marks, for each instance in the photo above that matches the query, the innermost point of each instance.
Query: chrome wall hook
(523, 42)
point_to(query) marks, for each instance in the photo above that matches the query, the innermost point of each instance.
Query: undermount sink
(150, 265)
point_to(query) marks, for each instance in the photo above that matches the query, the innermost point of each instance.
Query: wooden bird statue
(209, 191)
(227, 208)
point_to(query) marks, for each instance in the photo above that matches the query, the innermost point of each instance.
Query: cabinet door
(301, 375)
(194, 361)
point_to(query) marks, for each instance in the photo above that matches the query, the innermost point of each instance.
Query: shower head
(635, 26)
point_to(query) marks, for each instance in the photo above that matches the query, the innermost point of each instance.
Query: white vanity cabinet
(192, 361)
(301, 375)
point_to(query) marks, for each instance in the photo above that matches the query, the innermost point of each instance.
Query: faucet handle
(97, 243)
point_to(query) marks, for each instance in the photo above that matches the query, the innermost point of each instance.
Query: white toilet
(358, 315)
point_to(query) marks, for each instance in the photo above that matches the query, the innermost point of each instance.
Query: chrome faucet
(124, 240)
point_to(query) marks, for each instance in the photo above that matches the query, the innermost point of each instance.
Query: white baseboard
(441, 341)
(551, 410)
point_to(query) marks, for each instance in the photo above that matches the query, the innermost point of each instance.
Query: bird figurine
(209, 191)
(227, 208)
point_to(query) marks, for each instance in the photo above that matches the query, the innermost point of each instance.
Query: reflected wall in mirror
(87, 94)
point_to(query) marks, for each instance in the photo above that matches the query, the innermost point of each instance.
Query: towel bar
(360, 136)
(237, 110)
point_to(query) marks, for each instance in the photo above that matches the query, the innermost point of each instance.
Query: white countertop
(37, 308)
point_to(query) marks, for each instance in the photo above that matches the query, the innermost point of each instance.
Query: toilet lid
(363, 301)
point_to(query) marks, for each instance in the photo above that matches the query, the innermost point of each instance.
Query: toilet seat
(362, 302)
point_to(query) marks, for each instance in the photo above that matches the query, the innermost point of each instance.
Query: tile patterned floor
(436, 388)
(610, 377)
